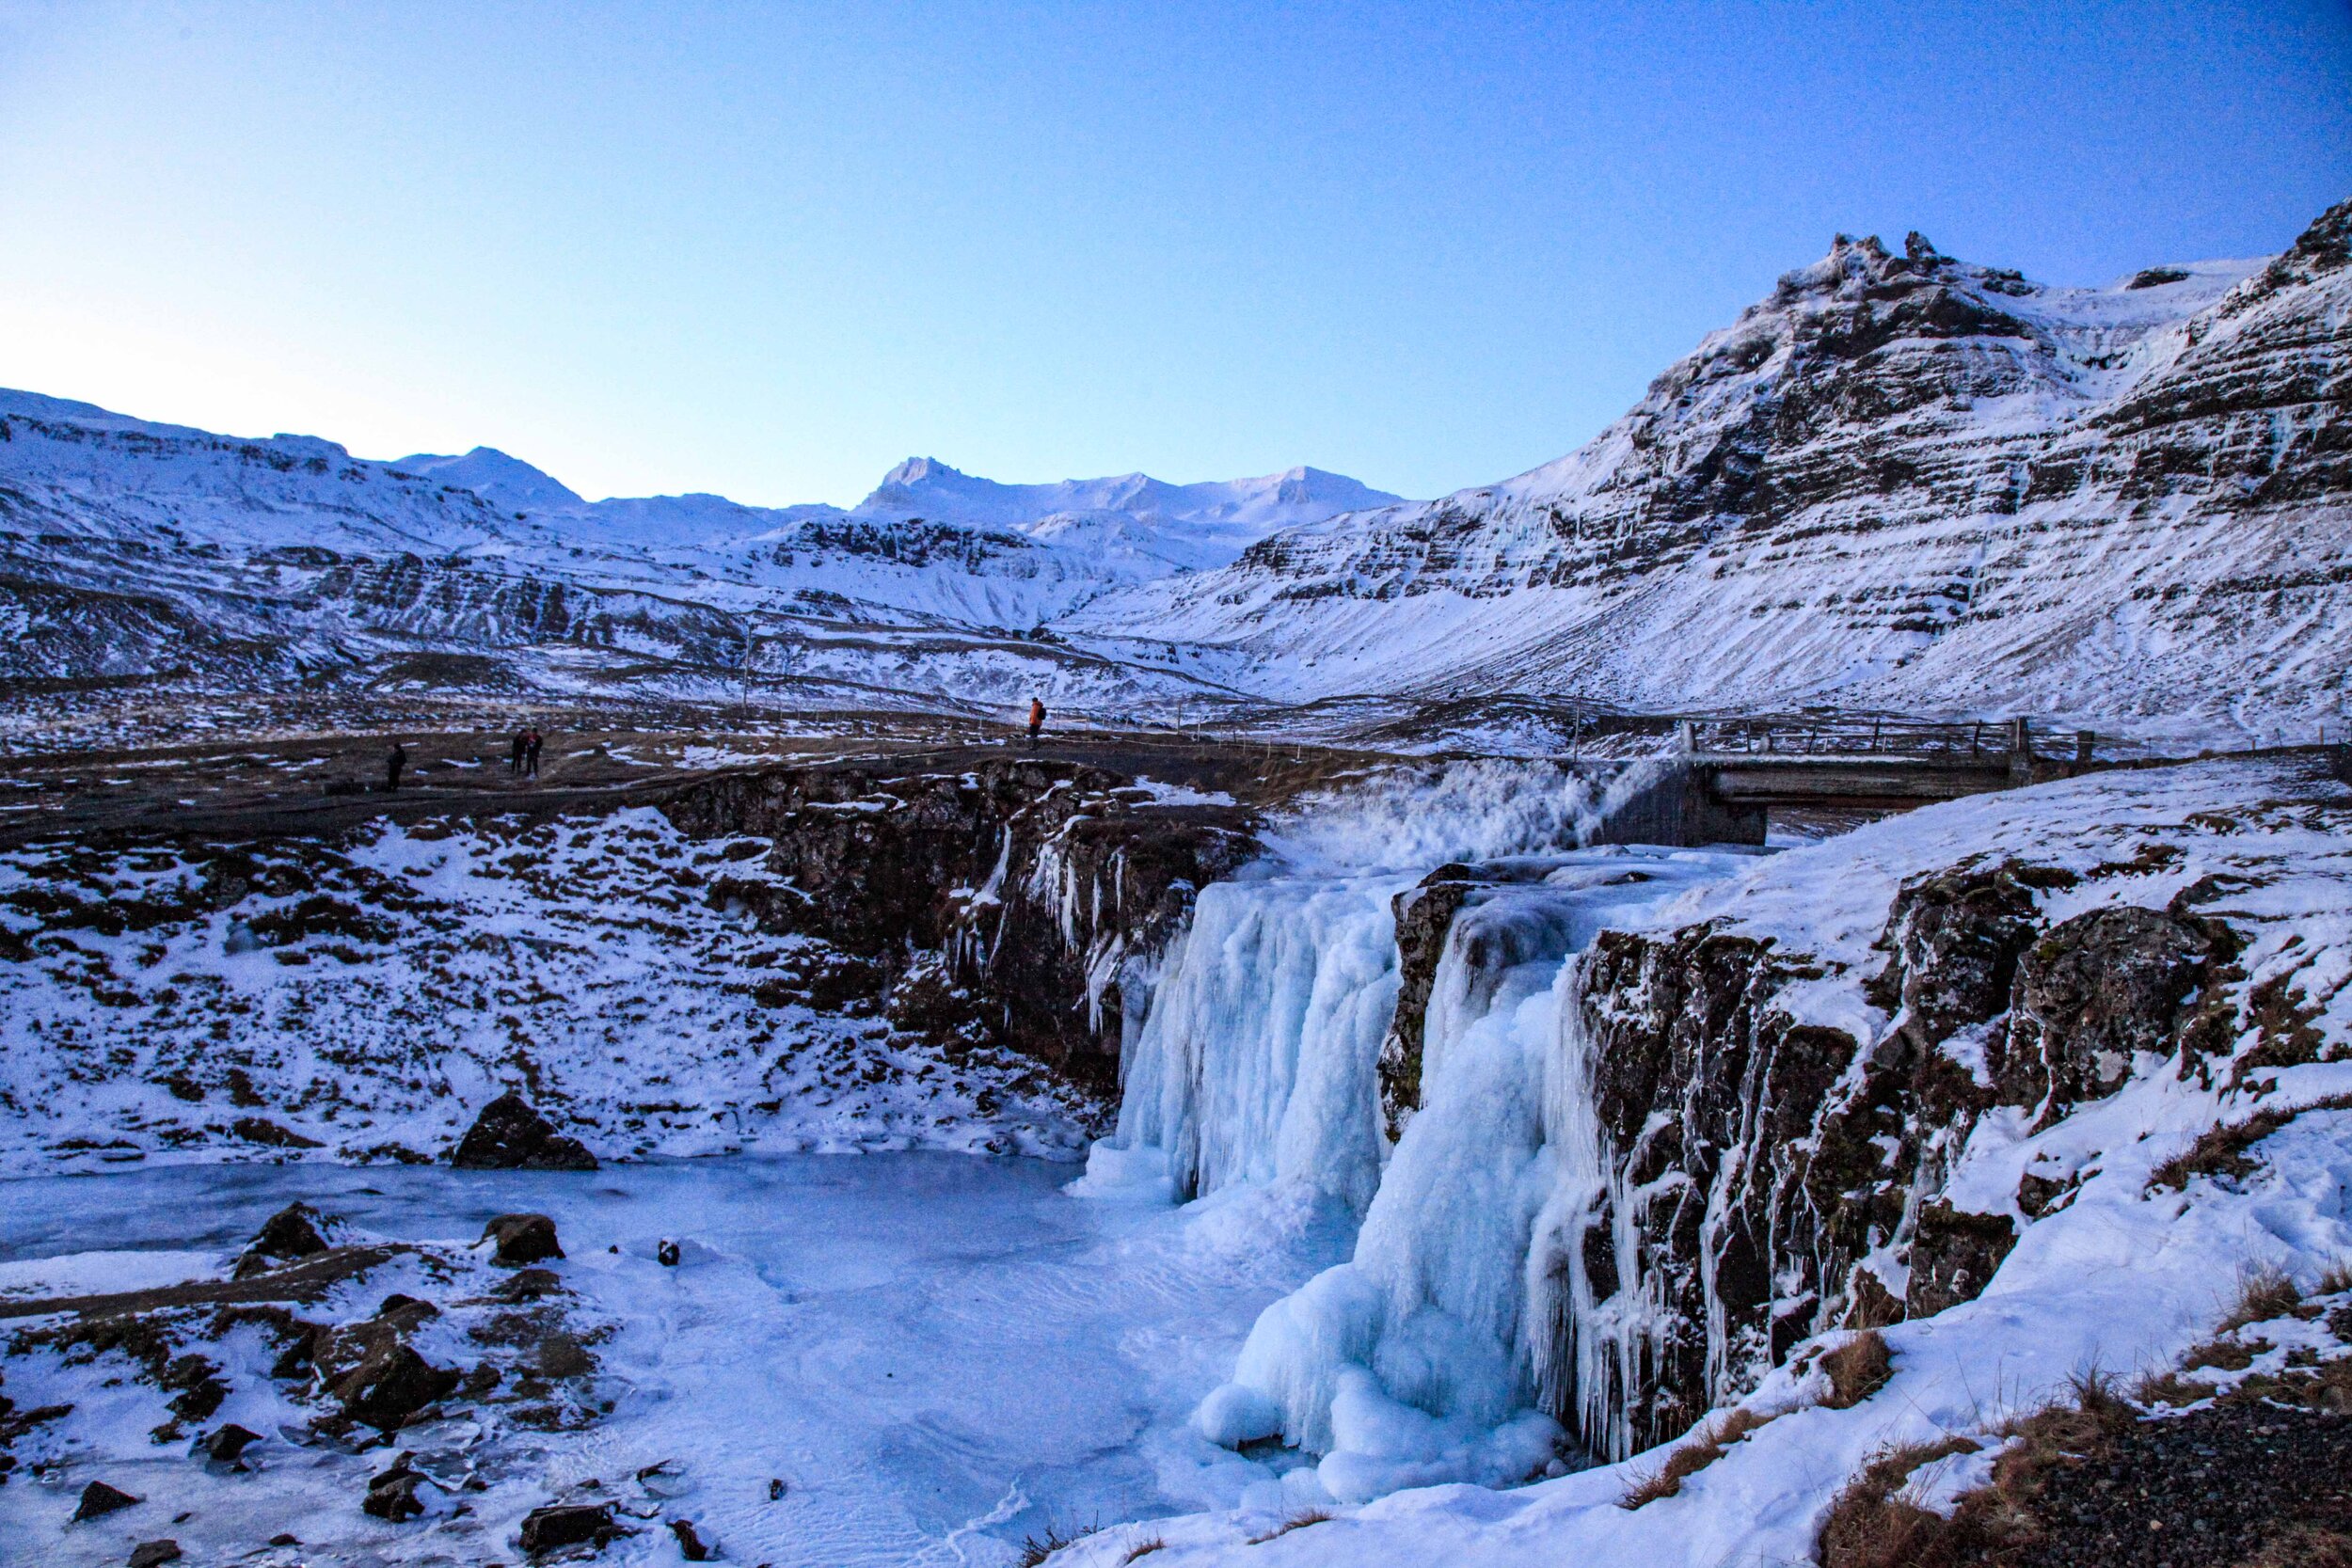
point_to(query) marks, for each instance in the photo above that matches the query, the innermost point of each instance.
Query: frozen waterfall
(1431, 1354)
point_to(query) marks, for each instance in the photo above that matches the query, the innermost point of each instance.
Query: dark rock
(665, 1252)
(290, 1233)
(560, 1525)
(887, 866)
(1423, 914)
(391, 1383)
(2090, 994)
(1955, 937)
(522, 1239)
(392, 1494)
(1953, 1256)
(406, 1313)
(153, 1554)
(509, 1135)
(260, 1130)
(285, 1538)
(100, 1499)
(225, 1446)
(528, 1285)
(689, 1545)
(562, 1355)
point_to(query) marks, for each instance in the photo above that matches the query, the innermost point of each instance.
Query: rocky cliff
(1021, 903)
(1901, 481)
(1845, 1108)
(852, 952)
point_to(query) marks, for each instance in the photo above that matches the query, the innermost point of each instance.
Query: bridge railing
(1849, 735)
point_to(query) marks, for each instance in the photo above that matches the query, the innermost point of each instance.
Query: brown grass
(1872, 1525)
(2170, 1389)
(2337, 1281)
(2227, 1356)
(2304, 1546)
(1694, 1454)
(2263, 1294)
(2222, 1151)
(1143, 1548)
(1857, 1369)
(1297, 1521)
(1036, 1548)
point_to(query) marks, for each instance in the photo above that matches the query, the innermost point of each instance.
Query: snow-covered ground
(938, 1356)
(369, 993)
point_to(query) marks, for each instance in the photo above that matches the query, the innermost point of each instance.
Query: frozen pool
(938, 1354)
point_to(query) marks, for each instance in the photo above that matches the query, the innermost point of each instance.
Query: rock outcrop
(1907, 481)
(1019, 903)
(509, 1135)
(1778, 1176)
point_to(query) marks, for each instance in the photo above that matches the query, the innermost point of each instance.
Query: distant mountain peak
(508, 482)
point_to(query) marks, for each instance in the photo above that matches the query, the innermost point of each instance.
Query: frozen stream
(938, 1354)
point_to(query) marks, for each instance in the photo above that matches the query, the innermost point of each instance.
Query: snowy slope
(1900, 482)
(138, 548)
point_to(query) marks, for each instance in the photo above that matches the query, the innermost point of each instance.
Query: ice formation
(1413, 1362)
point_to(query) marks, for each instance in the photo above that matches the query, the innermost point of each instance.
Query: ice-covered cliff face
(1900, 482)
(1688, 1119)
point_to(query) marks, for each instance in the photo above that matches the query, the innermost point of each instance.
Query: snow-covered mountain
(138, 549)
(1901, 481)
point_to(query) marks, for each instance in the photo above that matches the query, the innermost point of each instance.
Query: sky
(767, 251)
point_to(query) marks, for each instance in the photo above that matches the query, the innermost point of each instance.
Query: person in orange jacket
(1037, 718)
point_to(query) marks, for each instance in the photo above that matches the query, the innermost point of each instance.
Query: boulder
(560, 1525)
(691, 1545)
(2093, 992)
(1954, 937)
(154, 1553)
(292, 1232)
(528, 1285)
(100, 1499)
(392, 1494)
(225, 1446)
(391, 1383)
(522, 1239)
(509, 1135)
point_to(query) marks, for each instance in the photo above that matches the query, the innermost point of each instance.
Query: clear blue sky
(768, 250)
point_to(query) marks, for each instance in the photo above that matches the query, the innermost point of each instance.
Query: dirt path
(312, 786)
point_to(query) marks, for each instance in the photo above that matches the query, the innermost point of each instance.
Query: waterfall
(1256, 1062)
(1464, 1314)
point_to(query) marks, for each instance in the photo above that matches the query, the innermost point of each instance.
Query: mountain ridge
(1900, 483)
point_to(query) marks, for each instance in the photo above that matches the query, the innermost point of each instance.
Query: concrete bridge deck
(1713, 796)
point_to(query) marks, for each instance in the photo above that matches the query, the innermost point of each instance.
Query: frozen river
(938, 1354)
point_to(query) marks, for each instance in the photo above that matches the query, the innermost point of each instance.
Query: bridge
(1724, 779)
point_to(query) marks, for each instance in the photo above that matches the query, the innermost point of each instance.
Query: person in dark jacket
(532, 743)
(514, 761)
(393, 764)
(1037, 718)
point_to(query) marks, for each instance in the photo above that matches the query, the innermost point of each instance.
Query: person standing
(514, 761)
(394, 765)
(1037, 718)
(532, 742)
